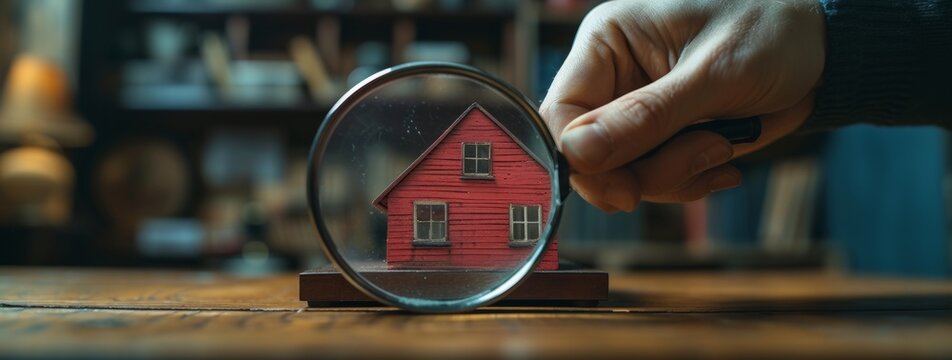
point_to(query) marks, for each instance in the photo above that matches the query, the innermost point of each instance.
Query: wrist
(881, 62)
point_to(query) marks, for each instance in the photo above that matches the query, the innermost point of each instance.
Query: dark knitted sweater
(888, 62)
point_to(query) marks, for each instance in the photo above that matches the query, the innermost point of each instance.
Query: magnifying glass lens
(433, 189)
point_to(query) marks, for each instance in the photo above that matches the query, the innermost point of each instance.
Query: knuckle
(722, 61)
(692, 192)
(687, 196)
(649, 187)
(547, 112)
(646, 176)
(690, 189)
(600, 12)
(642, 116)
(609, 17)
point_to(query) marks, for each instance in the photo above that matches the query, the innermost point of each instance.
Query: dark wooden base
(568, 286)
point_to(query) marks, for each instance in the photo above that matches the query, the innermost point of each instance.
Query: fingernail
(588, 143)
(711, 157)
(725, 181)
(620, 197)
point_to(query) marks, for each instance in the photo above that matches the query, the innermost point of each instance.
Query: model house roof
(379, 202)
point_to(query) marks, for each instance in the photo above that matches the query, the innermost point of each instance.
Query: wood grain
(497, 334)
(145, 289)
(637, 292)
(776, 291)
(123, 313)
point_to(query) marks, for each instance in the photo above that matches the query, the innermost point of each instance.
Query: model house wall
(476, 198)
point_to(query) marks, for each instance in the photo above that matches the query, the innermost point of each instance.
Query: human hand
(639, 71)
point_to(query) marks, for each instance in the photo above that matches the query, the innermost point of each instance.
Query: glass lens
(434, 189)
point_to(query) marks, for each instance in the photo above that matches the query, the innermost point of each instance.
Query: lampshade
(37, 100)
(35, 186)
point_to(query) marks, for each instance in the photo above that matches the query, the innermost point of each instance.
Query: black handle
(737, 131)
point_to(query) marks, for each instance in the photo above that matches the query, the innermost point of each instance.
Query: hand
(639, 71)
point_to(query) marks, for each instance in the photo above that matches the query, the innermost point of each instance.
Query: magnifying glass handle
(737, 131)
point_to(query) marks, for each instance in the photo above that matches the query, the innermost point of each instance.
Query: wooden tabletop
(123, 313)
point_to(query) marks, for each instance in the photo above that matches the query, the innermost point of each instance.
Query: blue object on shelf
(549, 60)
(583, 224)
(885, 200)
(734, 215)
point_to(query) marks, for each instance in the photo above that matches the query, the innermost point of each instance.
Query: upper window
(477, 159)
(525, 224)
(429, 222)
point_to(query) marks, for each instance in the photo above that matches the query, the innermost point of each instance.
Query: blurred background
(174, 133)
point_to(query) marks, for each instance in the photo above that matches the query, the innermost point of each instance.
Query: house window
(477, 159)
(429, 223)
(525, 224)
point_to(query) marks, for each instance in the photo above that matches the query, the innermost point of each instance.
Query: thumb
(631, 125)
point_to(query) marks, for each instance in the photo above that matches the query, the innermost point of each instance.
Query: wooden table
(123, 313)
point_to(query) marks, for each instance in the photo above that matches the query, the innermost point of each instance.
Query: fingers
(687, 168)
(626, 128)
(681, 160)
(610, 191)
(597, 69)
(584, 82)
(717, 179)
(619, 190)
(779, 124)
(674, 165)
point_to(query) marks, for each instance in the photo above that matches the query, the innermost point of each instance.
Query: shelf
(306, 108)
(302, 119)
(566, 19)
(299, 9)
(634, 255)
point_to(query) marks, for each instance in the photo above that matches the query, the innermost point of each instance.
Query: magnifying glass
(436, 187)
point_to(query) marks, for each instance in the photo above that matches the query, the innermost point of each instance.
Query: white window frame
(525, 241)
(488, 159)
(430, 241)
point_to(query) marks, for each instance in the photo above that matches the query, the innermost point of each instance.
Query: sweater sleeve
(888, 62)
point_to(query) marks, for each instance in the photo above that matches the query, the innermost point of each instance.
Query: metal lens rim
(337, 114)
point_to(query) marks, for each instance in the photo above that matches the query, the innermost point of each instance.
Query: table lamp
(36, 119)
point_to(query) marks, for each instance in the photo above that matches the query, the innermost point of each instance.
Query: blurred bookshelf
(222, 98)
(216, 55)
(203, 76)
(204, 111)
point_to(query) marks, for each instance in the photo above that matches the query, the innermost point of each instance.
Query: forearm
(888, 62)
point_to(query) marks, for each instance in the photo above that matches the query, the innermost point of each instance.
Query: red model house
(476, 198)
